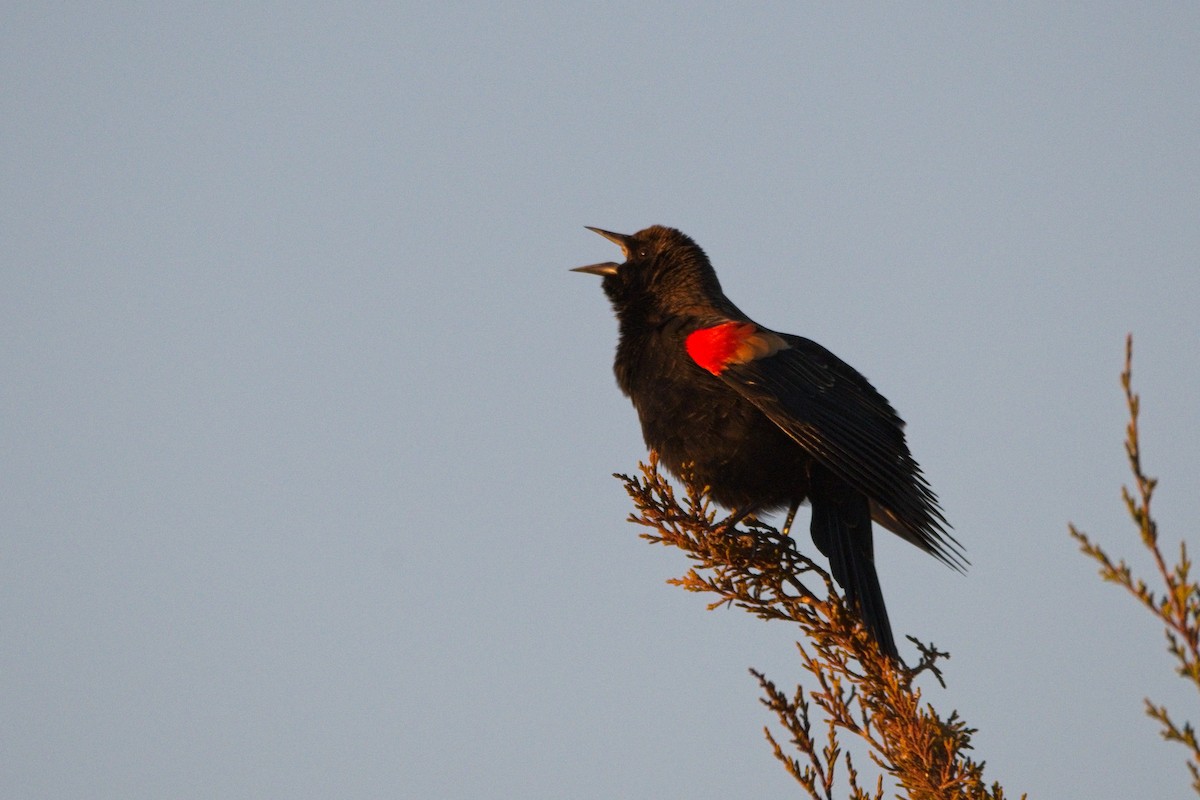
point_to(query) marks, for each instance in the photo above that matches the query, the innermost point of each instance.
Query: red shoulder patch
(717, 347)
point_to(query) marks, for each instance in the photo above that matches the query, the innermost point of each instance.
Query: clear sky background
(307, 430)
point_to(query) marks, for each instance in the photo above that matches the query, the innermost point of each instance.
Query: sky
(308, 432)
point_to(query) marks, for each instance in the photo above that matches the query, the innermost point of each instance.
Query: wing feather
(834, 412)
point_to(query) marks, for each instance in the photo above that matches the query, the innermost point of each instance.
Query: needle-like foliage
(856, 690)
(1176, 601)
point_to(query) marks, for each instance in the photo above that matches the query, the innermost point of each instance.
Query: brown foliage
(858, 690)
(1177, 603)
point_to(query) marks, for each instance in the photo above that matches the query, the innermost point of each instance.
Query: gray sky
(307, 429)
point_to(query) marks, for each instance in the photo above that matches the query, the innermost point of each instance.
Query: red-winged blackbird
(766, 420)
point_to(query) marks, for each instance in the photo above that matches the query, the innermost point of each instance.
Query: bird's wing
(832, 411)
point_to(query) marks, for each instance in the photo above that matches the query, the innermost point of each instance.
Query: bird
(765, 420)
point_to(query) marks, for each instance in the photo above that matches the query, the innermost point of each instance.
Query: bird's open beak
(619, 239)
(607, 267)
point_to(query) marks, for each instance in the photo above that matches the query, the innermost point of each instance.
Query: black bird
(766, 420)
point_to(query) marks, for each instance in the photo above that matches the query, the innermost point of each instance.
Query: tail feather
(841, 529)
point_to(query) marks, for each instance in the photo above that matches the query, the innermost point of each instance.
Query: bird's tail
(841, 529)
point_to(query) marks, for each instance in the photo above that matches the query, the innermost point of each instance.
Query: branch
(1177, 604)
(857, 689)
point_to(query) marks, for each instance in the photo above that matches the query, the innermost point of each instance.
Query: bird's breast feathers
(718, 346)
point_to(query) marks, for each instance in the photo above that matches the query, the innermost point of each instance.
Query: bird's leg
(736, 516)
(787, 524)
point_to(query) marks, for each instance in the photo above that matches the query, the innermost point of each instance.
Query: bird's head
(664, 274)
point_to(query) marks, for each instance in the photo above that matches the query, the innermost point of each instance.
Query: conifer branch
(856, 690)
(1176, 604)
